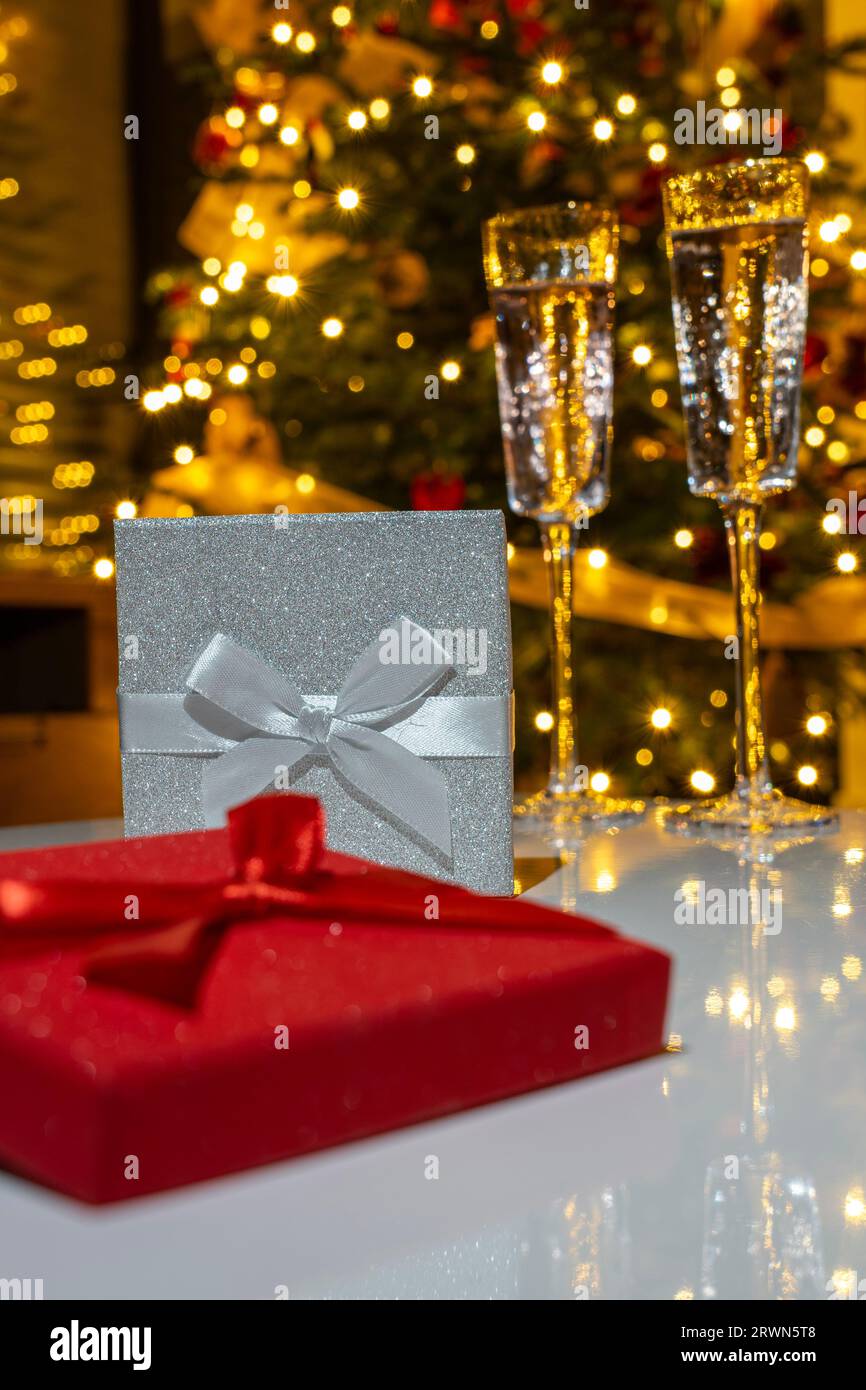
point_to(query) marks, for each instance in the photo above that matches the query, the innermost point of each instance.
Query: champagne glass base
(769, 815)
(576, 811)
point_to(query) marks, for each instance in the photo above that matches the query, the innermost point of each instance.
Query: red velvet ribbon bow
(277, 844)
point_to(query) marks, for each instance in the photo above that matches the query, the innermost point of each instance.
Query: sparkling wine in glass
(738, 250)
(550, 276)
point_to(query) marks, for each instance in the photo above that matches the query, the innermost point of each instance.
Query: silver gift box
(307, 595)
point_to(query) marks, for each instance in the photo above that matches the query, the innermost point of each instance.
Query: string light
(405, 340)
(552, 73)
(814, 436)
(832, 524)
(599, 781)
(237, 374)
(642, 355)
(489, 29)
(858, 260)
(422, 87)
(659, 398)
(465, 154)
(847, 562)
(184, 454)
(661, 718)
(290, 135)
(816, 725)
(544, 721)
(597, 558)
(341, 15)
(305, 42)
(305, 483)
(235, 117)
(125, 511)
(332, 328)
(104, 568)
(356, 120)
(626, 105)
(380, 109)
(603, 129)
(281, 33)
(684, 538)
(209, 295)
(807, 775)
(726, 77)
(702, 781)
(815, 161)
(450, 370)
(268, 113)
(536, 120)
(829, 231)
(348, 199)
(826, 414)
(643, 757)
(657, 152)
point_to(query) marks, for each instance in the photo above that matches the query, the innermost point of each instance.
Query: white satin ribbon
(248, 720)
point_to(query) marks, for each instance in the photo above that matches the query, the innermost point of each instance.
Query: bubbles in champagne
(554, 369)
(740, 303)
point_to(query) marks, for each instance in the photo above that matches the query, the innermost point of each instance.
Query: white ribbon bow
(376, 732)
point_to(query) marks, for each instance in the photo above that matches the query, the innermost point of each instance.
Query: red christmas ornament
(437, 492)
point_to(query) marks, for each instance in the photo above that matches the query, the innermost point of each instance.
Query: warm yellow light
(380, 109)
(552, 73)
(661, 718)
(268, 113)
(211, 266)
(814, 436)
(657, 152)
(852, 967)
(235, 117)
(405, 340)
(464, 154)
(642, 355)
(731, 121)
(153, 400)
(843, 222)
(544, 721)
(348, 198)
(171, 393)
(305, 41)
(290, 135)
(281, 33)
(422, 87)
(841, 909)
(597, 558)
(816, 725)
(536, 120)
(702, 781)
(684, 538)
(832, 524)
(644, 756)
(603, 128)
(838, 451)
(807, 775)
(729, 97)
(489, 29)
(815, 161)
(450, 370)
(829, 231)
(305, 482)
(356, 120)
(184, 454)
(332, 328)
(855, 1207)
(626, 105)
(847, 562)
(249, 156)
(659, 398)
(103, 569)
(738, 1003)
(767, 540)
(599, 781)
(125, 511)
(785, 1020)
(237, 374)
(819, 267)
(726, 77)
(341, 15)
(858, 260)
(302, 189)
(826, 414)
(209, 295)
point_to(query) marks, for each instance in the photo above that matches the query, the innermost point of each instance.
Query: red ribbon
(277, 844)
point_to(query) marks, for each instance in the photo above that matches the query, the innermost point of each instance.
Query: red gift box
(184, 1006)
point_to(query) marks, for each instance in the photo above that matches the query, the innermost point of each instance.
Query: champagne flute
(737, 243)
(550, 274)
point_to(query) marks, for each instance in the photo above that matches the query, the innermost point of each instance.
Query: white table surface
(734, 1166)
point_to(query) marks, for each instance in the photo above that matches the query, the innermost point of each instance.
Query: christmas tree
(329, 337)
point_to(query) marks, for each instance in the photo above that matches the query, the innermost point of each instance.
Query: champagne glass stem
(559, 545)
(743, 526)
